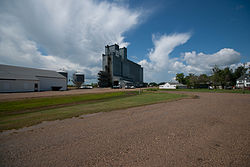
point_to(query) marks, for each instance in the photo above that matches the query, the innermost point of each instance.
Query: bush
(152, 89)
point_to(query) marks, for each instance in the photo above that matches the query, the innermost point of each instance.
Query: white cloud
(71, 33)
(202, 63)
(159, 64)
(164, 45)
(160, 67)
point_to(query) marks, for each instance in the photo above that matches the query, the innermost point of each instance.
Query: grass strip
(204, 90)
(28, 119)
(33, 104)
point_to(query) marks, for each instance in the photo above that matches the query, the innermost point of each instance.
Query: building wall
(104, 62)
(125, 69)
(167, 86)
(117, 66)
(123, 53)
(134, 71)
(18, 85)
(141, 75)
(46, 83)
(23, 79)
(239, 83)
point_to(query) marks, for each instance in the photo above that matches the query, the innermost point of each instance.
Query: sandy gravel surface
(213, 130)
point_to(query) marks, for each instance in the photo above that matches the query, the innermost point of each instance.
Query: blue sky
(165, 36)
(213, 24)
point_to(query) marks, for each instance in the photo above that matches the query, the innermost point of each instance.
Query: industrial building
(120, 69)
(78, 79)
(22, 79)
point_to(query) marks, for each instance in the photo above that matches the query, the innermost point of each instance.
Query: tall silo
(78, 79)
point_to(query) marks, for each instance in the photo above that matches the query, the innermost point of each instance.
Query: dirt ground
(213, 130)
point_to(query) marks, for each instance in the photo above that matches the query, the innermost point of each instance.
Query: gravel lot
(213, 130)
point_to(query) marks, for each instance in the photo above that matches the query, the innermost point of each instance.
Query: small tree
(95, 85)
(192, 80)
(181, 78)
(153, 84)
(228, 76)
(203, 79)
(161, 83)
(223, 77)
(217, 76)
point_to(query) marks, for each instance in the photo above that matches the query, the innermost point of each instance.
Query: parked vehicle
(86, 87)
(129, 87)
(117, 87)
(228, 87)
(211, 87)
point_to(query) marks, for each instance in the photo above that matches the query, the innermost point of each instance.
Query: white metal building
(22, 79)
(172, 85)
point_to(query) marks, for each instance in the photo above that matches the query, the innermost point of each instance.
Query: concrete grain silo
(78, 79)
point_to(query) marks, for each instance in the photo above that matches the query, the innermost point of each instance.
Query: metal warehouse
(121, 69)
(22, 79)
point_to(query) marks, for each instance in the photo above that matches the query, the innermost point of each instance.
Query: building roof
(133, 63)
(244, 77)
(175, 83)
(112, 45)
(24, 73)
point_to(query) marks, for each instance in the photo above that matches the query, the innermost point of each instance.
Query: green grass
(12, 107)
(152, 89)
(21, 119)
(204, 90)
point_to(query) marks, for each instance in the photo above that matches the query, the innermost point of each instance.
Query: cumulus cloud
(160, 67)
(62, 34)
(159, 63)
(164, 45)
(202, 63)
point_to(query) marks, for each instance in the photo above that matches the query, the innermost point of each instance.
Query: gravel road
(213, 130)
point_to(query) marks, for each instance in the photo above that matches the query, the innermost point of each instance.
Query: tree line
(220, 77)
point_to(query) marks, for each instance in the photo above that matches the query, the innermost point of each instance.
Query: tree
(238, 72)
(228, 76)
(153, 84)
(95, 85)
(203, 79)
(191, 80)
(223, 77)
(217, 78)
(180, 78)
(161, 83)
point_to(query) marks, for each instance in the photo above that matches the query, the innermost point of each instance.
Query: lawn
(18, 116)
(25, 105)
(204, 90)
